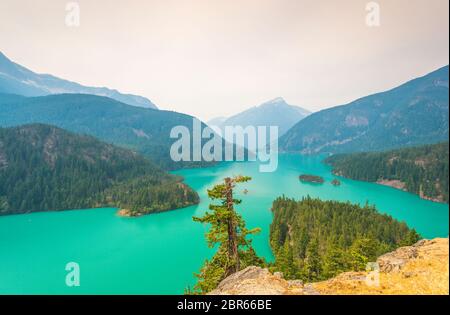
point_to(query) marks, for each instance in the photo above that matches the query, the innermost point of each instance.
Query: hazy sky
(217, 57)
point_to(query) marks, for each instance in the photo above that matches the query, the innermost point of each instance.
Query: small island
(311, 179)
(336, 182)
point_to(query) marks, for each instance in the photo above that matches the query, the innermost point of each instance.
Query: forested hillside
(315, 240)
(142, 129)
(47, 168)
(414, 113)
(421, 170)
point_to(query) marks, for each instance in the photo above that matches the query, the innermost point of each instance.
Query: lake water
(158, 254)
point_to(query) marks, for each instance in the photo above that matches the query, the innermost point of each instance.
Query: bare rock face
(422, 268)
(395, 260)
(257, 281)
(419, 269)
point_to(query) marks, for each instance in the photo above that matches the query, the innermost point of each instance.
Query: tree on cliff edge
(228, 231)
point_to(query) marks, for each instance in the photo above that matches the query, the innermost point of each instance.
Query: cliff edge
(422, 268)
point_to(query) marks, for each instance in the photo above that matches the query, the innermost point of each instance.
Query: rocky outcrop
(257, 281)
(394, 183)
(396, 260)
(419, 269)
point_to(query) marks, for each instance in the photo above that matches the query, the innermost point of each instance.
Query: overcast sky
(217, 57)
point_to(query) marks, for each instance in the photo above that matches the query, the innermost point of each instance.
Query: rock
(394, 261)
(336, 182)
(124, 213)
(278, 274)
(255, 281)
(295, 283)
(309, 290)
(419, 269)
(408, 274)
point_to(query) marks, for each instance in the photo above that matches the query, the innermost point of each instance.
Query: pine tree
(313, 267)
(335, 261)
(285, 261)
(229, 232)
(362, 251)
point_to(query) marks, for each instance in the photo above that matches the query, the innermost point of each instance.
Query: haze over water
(158, 254)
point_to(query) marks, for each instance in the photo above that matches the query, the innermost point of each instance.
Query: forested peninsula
(44, 168)
(314, 240)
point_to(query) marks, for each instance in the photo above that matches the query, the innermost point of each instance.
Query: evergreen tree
(315, 240)
(336, 261)
(313, 267)
(362, 251)
(285, 262)
(229, 233)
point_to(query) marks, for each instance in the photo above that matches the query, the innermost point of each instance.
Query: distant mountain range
(144, 130)
(218, 121)
(16, 79)
(46, 168)
(414, 113)
(273, 113)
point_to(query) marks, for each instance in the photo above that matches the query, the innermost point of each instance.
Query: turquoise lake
(158, 254)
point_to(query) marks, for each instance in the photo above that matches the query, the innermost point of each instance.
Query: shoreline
(393, 183)
(397, 184)
(126, 213)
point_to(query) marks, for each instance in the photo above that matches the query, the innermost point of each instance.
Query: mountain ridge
(17, 79)
(413, 113)
(141, 129)
(276, 112)
(45, 168)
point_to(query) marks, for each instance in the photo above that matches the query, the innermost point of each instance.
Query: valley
(177, 150)
(140, 251)
(331, 199)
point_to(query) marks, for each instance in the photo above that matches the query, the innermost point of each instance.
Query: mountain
(421, 170)
(16, 79)
(46, 168)
(218, 121)
(144, 130)
(273, 113)
(411, 114)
